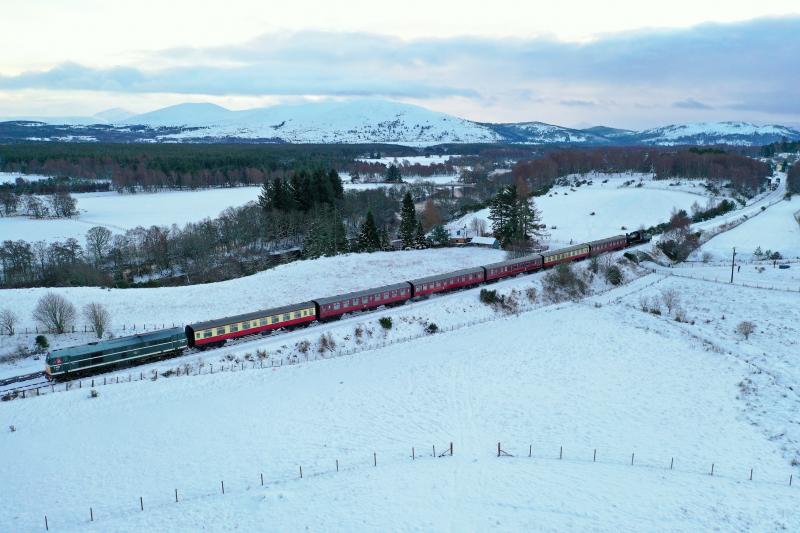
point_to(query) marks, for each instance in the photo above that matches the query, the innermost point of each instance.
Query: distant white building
(484, 242)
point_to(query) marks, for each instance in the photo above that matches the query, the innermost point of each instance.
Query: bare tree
(54, 312)
(8, 321)
(98, 316)
(478, 225)
(671, 299)
(98, 240)
(745, 329)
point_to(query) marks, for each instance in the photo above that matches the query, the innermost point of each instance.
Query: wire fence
(766, 286)
(515, 456)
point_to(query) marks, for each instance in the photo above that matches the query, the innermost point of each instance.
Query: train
(94, 357)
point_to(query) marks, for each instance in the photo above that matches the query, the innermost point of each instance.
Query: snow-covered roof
(489, 241)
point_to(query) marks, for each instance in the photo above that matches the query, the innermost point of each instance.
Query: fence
(124, 329)
(171, 496)
(670, 272)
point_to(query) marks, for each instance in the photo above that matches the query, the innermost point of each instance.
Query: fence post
(46, 526)
(91, 515)
(223, 486)
(262, 479)
(671, 461)
(561, 452)
(751, 474)
(712, 468)
(301, 472)
(176, 495)
(451, 448)
(530, 449)
(141, 503)
(337, 465)
(594, 457)
(498, 449)
(790, 479)
(412, 453)
(374, 459)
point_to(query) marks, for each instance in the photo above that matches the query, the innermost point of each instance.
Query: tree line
(745, 174)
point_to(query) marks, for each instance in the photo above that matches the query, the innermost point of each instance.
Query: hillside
(359, 121)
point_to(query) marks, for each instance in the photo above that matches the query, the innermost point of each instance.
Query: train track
(18, 384)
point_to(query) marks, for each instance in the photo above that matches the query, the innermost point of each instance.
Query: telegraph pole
(733, 261)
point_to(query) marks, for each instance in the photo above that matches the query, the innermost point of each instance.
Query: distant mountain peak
(364, 121)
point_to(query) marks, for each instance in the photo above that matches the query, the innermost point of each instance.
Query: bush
(385, 322)
(745, 329)
(431, 328)
(8, 321)
(530, 292)
(563, 281)
(93, 394)
(488, 297)
(41, 342)
(614, 275)
(302, 347)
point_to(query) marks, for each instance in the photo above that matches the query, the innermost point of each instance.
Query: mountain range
(360, 121)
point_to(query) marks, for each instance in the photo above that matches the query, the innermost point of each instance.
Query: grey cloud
(690, 103)
(716, 62)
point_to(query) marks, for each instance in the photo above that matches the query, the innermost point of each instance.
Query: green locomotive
(104, 355)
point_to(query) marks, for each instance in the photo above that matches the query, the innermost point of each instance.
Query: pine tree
(440, 236)
(393, 174)
(419, 238)
(368, 238)
(386, 244)
(502, 213)
(408, 222)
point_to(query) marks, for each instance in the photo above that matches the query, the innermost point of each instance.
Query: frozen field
(570, 209)
(119, 212)
(644, 385)
(776, 229)
(11, 177)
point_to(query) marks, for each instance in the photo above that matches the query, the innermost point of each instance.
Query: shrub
(671, 299)
(385, 322)
(431, 328)
(93, 394)
(563, 281)
(326, 343)
(745, 329)
(41, 342)
(614, 275)
(8, 321)
(594, 264)
(530, 292)
(302, 347)
(488, 297)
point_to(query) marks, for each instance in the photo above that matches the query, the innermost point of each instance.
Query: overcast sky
(623, 63)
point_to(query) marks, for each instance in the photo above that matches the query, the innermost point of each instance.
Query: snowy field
(410, 160)
(614, 205)
(644, 385)
(119, 212)
(776, 229)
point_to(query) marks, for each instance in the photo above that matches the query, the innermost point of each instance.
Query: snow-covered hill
(710, 133)
(360, 121)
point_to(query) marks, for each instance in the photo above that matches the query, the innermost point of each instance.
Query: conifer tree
(419, 237)
(408, 222)
(368, 238)
(393, 174)
(440, 236)
(386, 244)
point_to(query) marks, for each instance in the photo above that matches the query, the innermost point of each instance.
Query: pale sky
(617, 62)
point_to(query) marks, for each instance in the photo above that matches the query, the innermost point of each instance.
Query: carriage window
(207, 333)
(220, 331)
(234, 328)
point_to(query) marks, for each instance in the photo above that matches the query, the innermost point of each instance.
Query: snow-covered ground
(775, 229)
(570, 209)
(410, 160)
(119, 212)
(598, 374)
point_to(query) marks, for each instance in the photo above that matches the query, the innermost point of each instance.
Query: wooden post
(530, 449)
(451, 448)
(751, 474)
(498, 449)
(594, 457)
(141, 503)
(434, 450)
(46, 526)
(790, 479)
(262, 479)
(176, 495)
(337, 465)
(671, 461)
(412, 453)
(91, 515)
(223, 486)
(712, 469)
(561, 452)
(374, 459)
(92, 382)
(301, 472)
(631, 459)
